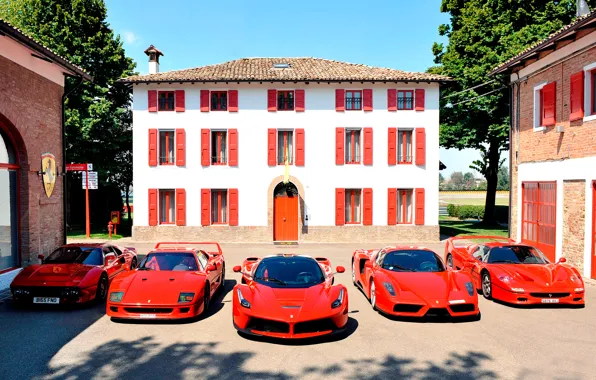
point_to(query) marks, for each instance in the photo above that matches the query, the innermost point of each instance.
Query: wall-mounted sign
(115, 217)
(48, 169)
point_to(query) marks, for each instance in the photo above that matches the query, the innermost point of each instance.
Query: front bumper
(119, 310)
(556, 296)
(416, 309)
(64, 294)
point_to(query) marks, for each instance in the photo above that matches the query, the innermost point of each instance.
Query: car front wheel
(487, 290)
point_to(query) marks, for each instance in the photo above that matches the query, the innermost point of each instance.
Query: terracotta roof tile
(301, 69)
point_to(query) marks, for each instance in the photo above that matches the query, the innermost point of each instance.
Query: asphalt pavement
(507, 343)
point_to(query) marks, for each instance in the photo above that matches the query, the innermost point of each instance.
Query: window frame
(403, 194)
(589, 92)
(411, 92)
(358, 155)
(352, 194)
(404, 146)
(538, 124)
(290, 151)
(219, 193)
(352, 97)
(173, 93)
(169, 202)
(227, 98)
(173, 141)
(282, 92)
(214, 149)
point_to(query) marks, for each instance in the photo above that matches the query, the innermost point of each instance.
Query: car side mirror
(340, 269)
(237, 269)
(562, 260)
(211, 268)
(40, 256)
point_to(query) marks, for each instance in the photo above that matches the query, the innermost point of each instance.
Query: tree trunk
(492, 178)
(128, 203)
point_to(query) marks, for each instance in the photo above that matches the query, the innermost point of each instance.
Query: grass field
(81, 235)
(471, 199)
(454, 227)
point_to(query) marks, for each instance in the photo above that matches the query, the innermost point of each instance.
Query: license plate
(51, 300)
(147, 315)
(550, 300)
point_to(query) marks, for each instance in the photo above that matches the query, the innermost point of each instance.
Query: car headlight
(505, 279)
(470, 288)
(116, 296)
(243, 301)
(339, 300)
(185, 297)
(389, 288)
(576, 279)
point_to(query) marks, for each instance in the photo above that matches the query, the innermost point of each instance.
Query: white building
(210, 144)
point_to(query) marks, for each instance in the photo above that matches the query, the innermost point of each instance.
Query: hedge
(463, 212)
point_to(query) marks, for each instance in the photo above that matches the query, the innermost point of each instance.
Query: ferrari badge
(48, 168)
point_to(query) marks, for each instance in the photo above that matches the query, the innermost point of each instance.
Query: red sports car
(174, 281)
(73, 273)
(518, 273)
(413, 282)
(289, 296)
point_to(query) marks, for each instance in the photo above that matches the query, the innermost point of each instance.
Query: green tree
(98, 116)
(503, 181)
(482, 34)
(457, 181)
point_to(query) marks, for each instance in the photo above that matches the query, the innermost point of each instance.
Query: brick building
(553, 144)
(32, 80)
(210, 147)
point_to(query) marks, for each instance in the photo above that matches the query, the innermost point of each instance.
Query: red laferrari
(413, 282)
(73, 273)
(174, 281)
(289, 296)
(517, 273)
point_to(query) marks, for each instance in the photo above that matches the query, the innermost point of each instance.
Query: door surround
(301, 227)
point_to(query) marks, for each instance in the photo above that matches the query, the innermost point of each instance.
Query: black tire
(353, 272)
(450, 261)
(487, 286)
(133, 263)
(206, 299)
(372, 296)
(102, 289)
(222, 281)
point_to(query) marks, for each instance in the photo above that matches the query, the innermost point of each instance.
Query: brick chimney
(153, 54)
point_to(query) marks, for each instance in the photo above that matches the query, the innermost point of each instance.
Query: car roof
(405, 248)
(175, 250)
(493, 244)
(90, 245)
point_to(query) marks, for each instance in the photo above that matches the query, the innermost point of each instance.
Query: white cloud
(130, 37)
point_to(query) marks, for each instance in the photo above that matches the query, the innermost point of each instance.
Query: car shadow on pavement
(217, 303)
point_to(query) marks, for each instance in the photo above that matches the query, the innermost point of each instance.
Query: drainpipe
(64, 192)
(511, 89)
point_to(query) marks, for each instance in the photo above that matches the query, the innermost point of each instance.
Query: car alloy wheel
(102, 289)
(206, 299)
(373, 295)
(354, 272)
(486, 286)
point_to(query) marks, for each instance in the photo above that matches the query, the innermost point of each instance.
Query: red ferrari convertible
(517, 273)
(73, 273)
(174, 281)
(413, 282)
(289, 296)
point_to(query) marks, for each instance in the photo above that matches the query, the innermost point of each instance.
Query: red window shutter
(367, 95)
(180, 147)
(391, 207)
(339, 146)
(340, 213)
(205, 151)
(392, 99)
(179, 100)
(419, 207)
(153, 207)
(368, 146)
(299, 95)
(392, 148)
(233, 100)
(367, 200)
(271, 100)
(205, 207)
(299, 147)
(419, 99)
(271, 137)
(420, 146)
(577, 96)
(233, 205)
(180, 207)
(340, 100)
(204, 100)
(233, 146)
(152, 100)
(153, 147)
(549, 98)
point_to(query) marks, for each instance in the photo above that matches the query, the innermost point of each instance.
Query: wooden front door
(285, 218)
(593, 274)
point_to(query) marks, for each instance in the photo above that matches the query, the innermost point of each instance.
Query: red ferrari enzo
(289, 296)
(413, 282)
(518, 273)
(174, 281)
(73, 273)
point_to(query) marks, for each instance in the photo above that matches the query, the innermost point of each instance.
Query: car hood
(426, 286)
(56, 272)
(538, 275)
(158, 287)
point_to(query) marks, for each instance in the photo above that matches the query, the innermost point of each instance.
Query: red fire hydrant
(110, 228)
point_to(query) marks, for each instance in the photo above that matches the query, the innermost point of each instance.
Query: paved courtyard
(507, 343)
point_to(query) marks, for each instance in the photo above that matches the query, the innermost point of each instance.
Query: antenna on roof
(582, 8)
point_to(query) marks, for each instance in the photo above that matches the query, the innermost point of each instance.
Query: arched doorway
(285, 212)
(8, 199)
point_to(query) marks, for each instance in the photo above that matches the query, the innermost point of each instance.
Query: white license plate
(51, 300)
(550, 300)
(147, 315)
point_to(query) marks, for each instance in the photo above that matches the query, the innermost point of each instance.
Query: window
(219, 100)
(593, 91)
(405, 100)
(166, 148)
(203, 259)
(353, 100)
(117, 251)
(218, 147)
(219, 206)
(166, 206)
(404, 206)
(285, 146)
(352, 146)
(166, 100)
(353, 206)
(404, 146)
(285, 100)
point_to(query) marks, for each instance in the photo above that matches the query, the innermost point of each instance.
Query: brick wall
(30, 108)
(574, 222)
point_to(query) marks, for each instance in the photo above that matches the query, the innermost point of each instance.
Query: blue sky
(387, 33)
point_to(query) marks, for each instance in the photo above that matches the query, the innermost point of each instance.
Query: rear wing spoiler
(131, 249)
(475, 239)
(214, 247)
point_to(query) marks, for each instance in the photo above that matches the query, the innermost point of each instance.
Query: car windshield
(75, 255)
(169, 261)
(516, 254)
(289, 272)
(412, 260)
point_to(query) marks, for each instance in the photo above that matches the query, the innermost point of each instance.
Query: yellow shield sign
(48, 168)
